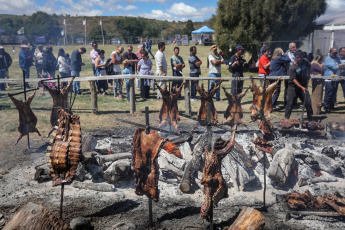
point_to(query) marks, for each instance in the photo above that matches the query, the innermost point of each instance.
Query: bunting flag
(100, 22)
(84, 22)
(64, 21)
(21, 31)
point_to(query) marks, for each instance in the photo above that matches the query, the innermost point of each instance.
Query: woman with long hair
(317, 69)
(278, 65)
(100, 71)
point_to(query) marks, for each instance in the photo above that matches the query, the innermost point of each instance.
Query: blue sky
(183, 10)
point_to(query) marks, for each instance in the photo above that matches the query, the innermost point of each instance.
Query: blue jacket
(25, 59)
(331, 65)
(128, 70)
(278, 65)
(76, 61)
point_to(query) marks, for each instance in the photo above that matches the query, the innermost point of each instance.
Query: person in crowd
(177, 64)
(145, 68)
(100, 71)
(161, 66)
(149, 46)
(264, 62)
(5, 63)
(127, 70)
(341, 73)
(40, 61)
(236, 68)
(310, 57)
(332, 65)
(139, 55)
(297, 85)
(133, 62)
(215, 70)
(64, 65)
(195, 71)
(26, 60)
(317, 68)
(51, 64)
(291, 54)
(143, 43)
(278, 65)
(93, 55)
(117, 59)
(264, 45)
(76, 64)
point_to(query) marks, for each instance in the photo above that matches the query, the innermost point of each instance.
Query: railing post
(94, 98)
(188, 108)
(131, 96)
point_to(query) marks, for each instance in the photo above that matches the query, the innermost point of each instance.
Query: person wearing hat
(5, 63)
(332, 64)
(26, 60)
(215, 70)
(236, 68)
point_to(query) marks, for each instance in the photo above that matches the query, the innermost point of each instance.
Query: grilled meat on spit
(234, 112)
(27, 119)
(257, 99)
(145, 149)
(169, 111)
(286, 123)
(214, 184)
(263, 145)
(60, 99)
(265, 127)
(207, 97)
(66, 149)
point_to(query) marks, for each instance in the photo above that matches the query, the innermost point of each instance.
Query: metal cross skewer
(25, 100)
(147, 118)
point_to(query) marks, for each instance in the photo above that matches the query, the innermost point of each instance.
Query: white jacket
(64, 67)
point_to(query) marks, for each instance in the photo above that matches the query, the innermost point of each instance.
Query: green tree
(96, 32)
(250, 22)
(129, 27)
(188, 28)
(7, 25)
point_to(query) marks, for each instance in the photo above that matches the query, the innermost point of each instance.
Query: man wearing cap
(5, 63)
(236, 68)
(26, 60)
(332, 64)
(215, 70)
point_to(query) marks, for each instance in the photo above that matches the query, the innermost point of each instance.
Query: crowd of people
(294, 63)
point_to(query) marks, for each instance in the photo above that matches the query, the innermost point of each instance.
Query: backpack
(109, 67)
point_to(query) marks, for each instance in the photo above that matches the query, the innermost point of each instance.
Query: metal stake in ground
(147, 118)
(25, 100)
(209, 146)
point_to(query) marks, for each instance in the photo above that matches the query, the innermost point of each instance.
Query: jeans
(329, 95)
(76, 84)
(292, 93)
(149, 51)
(128, 85)
(276, 94)
(215, 82)
(94, 70)
(236, 86)
(117, 85)
(193, 86)
(27, 75)
(2, 76)
(336, 84)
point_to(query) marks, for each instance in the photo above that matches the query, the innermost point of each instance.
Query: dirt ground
(122, 209)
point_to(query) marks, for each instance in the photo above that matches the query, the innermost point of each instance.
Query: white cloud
(157, 14)
(186, 11)
(335, 6)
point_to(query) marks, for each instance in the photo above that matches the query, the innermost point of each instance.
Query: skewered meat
(338, 126)
(169, 111)
(27, 119)
(145, 150)
(286, 123)
(207, 97)
(234, 112)
(60, 101)
(265, 127)
(215, 187)
(66, 149)
(257, 99)
(263, 145)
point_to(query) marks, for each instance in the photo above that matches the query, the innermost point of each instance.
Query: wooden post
(317, 96)
(131, 96)
(93, 89)
(187, 91)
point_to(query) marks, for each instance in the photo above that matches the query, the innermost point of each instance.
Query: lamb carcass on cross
(27, 119)
(258, 92)
(206, 98)
(145, 150)
(234, 112)
(214, 184)
(168, 113)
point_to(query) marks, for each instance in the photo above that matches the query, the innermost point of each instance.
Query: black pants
(144, 90)
(236, 86)
(293, 93)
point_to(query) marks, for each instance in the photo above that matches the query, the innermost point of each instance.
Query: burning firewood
(59, 102)
(234, 112)
(207, 97)
(66, 149)
(27, 119)
(145, 150)
(215, 187)
(169, 111)
(257, 99)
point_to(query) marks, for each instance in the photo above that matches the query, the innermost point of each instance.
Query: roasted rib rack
(64, 153)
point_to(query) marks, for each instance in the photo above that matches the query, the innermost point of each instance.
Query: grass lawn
(109, 108)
